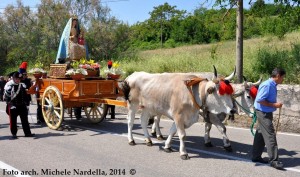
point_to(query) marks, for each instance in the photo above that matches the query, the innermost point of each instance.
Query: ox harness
(189, 84)
(254, 117)
(252, 93)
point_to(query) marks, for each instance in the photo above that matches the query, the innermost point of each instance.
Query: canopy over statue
(71, 45)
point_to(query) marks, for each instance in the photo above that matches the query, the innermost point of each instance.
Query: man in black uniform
(17, 101)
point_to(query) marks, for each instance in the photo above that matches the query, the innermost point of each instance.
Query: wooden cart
(92, 94)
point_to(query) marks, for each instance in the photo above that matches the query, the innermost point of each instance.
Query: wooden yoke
(190, 83)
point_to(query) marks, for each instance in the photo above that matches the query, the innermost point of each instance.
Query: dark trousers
(77, 112)
(13, 115)
(265, 135)
(1, 95)
(112, 111)
(39, 113)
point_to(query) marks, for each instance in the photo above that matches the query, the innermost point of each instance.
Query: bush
(268, 59)
(170, 43)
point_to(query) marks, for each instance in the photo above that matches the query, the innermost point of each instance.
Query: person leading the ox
(265, 104)
(17, 101)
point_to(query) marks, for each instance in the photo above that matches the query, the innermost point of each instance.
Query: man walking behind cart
(17, 100)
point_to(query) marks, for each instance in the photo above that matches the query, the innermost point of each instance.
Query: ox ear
(230, 77)
(210, 87)
(210, 90)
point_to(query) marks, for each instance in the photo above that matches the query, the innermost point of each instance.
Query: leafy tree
(18, 33)
(160, 19)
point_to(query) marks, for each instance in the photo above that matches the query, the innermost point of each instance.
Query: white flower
(76, 71)
(81, 71)
(115, 71)
(36, 70)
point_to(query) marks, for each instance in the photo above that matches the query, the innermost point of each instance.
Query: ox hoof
(208, 144)
(228, 148)
(153, 134)
(160, 137)
(131, 143)
(149, 143)
(168, 150)
(185, 157)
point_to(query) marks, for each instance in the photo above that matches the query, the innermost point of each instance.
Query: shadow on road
(119, 126)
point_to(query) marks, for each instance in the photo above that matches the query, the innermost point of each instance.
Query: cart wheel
(52, 107)
(96, 112)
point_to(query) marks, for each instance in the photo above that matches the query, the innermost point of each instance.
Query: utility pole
(161, 31)
(239, 41)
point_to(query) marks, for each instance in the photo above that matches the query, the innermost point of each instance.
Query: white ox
(243, 97)
(166, 94)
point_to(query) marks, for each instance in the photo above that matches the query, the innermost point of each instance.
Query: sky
(133, 11)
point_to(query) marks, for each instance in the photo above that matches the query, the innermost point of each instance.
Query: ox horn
(215, 78)
(245, 81)
(258, 82)
(215, 73)
(230, 77)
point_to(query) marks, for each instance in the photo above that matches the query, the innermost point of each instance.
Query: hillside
(200, 58)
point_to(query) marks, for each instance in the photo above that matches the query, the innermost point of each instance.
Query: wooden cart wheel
(52, 107)
(96, 112)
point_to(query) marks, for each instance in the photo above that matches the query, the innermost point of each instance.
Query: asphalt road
(80, 148)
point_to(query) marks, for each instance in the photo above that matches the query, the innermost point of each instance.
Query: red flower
(109, 64)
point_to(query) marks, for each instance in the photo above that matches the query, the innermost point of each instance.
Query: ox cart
(93, 94)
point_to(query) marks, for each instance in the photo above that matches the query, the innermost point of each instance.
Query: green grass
(200, 58)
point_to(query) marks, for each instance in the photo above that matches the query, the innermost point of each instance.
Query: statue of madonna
(69, 48)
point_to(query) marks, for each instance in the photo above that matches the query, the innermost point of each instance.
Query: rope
(254, 117)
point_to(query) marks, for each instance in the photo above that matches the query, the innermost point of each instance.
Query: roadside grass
(200, 58)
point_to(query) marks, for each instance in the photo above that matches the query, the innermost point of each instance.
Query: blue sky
(132, 11)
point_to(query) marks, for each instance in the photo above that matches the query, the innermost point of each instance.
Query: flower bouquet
(76, 72)
(92, 68)
(37, 71)
(114, 70)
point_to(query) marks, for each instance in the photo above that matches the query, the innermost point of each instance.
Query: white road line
(11, 170)
(240, 128)
(191, 149)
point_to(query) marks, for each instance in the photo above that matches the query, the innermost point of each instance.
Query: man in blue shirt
(265, 104)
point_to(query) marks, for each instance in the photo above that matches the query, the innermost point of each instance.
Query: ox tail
(126, 90)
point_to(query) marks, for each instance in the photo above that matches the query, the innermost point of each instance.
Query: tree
(35, 35)
(239, 31)
(160, 19)
(18, 28)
